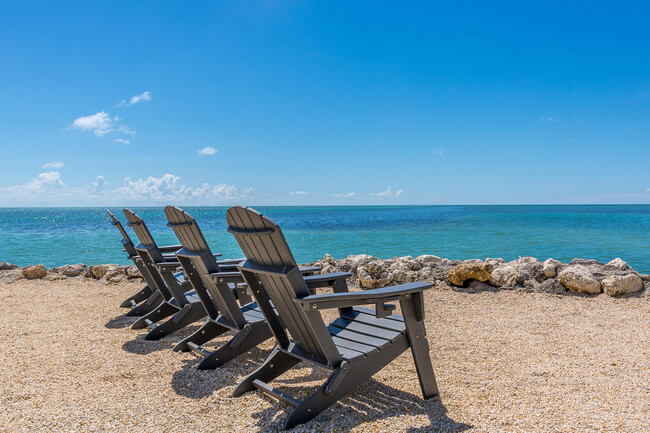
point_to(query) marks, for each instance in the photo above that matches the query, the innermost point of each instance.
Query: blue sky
(286, 102)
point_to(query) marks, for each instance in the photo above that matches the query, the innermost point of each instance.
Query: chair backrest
(271, 267)
(126, 239)
(197, 260)
(143, 234)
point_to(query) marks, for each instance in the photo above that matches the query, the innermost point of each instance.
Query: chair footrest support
(198, 349)
(276, 393)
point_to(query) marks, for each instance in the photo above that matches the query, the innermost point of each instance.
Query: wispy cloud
(122, 140)
(53, 164)
(389, 193)
(549, 119)
(144, 96)
(100, 123)
(383, 193)
(346, 195)
(438, 152)
(298, 193)
(207, 151)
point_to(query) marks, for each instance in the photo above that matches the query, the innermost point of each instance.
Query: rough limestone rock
(349, 264)
(578, 278)
(552, 286)
(99, 271)
(133, 272)
(506, 277)
(619, 284)
(34, 272)
(494, 262)
(619, 264)
(478, 271)
(70, 270)
(114, 273)
(5, 266)
(428, 258)
(549, 267)
(374, 274)
(11, 275)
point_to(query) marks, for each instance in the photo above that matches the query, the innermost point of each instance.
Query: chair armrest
(226, 277)
(309, 270)
(350, 299)
(167, 265)
(233, 262)
(325, 280)
(170, 248)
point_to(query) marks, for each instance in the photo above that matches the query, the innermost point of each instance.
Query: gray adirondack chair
(177, 299)
(214, 284)
(151, 284)
(356, 345)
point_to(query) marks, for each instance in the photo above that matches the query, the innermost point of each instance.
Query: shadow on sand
(372, 401)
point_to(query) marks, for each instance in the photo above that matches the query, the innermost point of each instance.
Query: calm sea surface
(57, 236)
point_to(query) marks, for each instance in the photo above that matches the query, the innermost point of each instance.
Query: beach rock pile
(580, 276)
(108, 274)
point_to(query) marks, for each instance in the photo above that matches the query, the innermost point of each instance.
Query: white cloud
(298, 193)
(48, 189)
(389, 193)
(53, 164)
(207, 151)
(438, 152)
(125, 129)
(99, 184)
(122, 140)
(144, 96)
(346, 195)
(549, 119)
(384, 193)
(99, 123)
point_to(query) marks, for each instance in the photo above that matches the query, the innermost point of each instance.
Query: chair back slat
(196, 250)
(143, 234)
(267, 252)
(126, 239)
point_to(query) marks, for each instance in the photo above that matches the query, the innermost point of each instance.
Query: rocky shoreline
(527, 274)
(524, 274)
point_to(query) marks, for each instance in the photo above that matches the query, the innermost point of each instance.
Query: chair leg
(209, 330)
(138, 297)
(239, 344)
(277, 363)
(147, 306)
(187, 315)
(417, 336)
(164, 309)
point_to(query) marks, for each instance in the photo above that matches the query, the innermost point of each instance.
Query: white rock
(578, 278)
(619, 264)
(505, 276)
(549, 267)
(618, 284)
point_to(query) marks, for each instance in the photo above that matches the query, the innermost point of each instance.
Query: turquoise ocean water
(57, 236)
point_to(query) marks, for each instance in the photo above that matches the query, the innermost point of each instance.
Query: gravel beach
(505, 361)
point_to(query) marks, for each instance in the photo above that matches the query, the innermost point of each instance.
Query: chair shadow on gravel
(120, 322)
(140, 346)
(192, 383)
(370, 402)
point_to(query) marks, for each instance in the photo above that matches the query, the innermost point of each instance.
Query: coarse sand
(505, 361)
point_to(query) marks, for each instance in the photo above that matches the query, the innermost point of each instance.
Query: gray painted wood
(355, 346)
